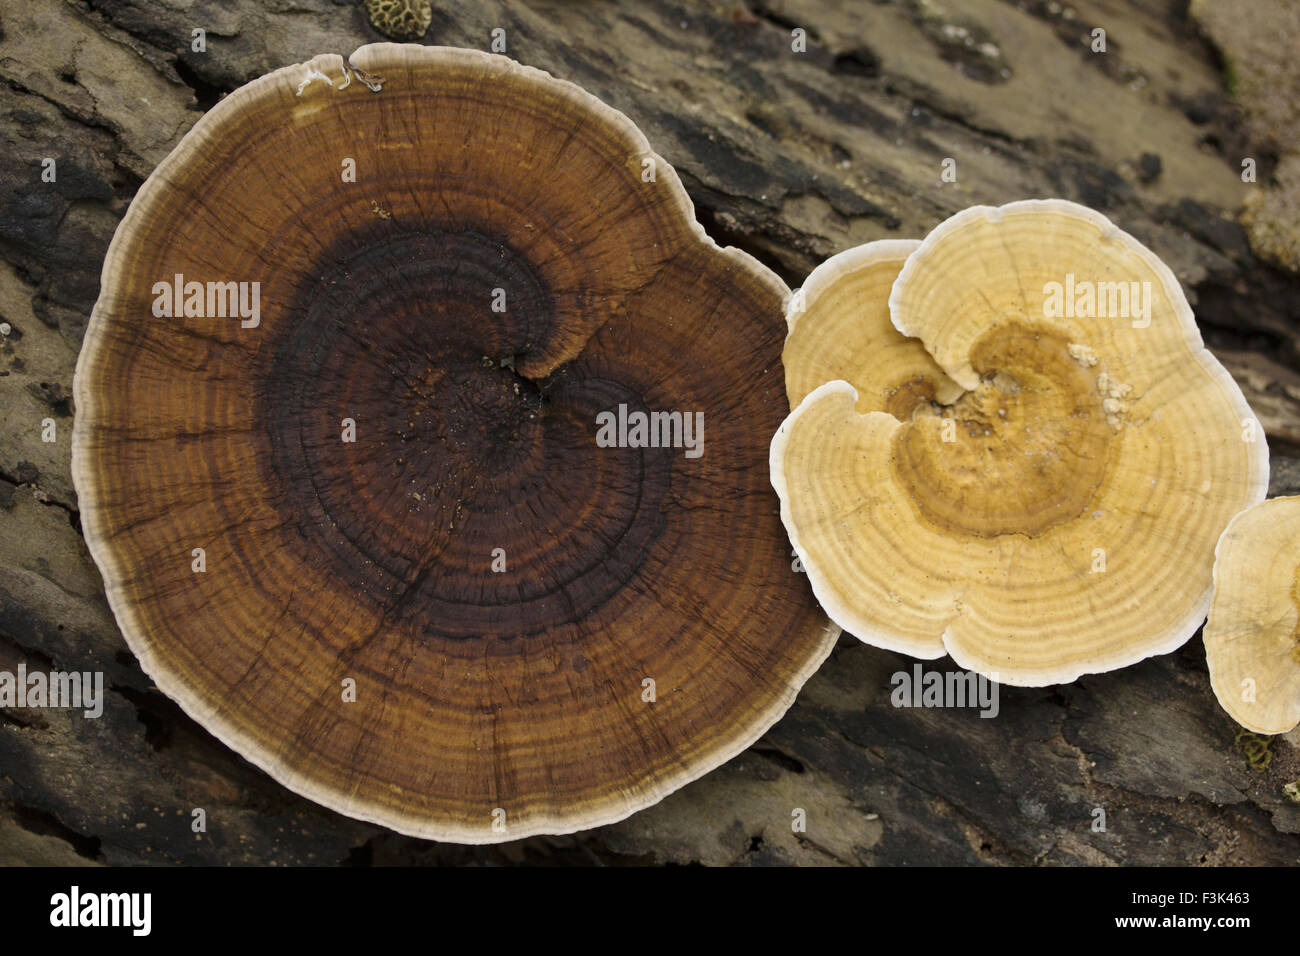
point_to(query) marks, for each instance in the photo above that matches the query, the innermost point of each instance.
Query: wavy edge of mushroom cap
(1160, 641)
(859, 343)
(1245, 614)
(826, 273)
(372, 59)
(963, 374)
(836, 606)
(804, 302)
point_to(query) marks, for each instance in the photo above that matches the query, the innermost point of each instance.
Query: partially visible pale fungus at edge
(1025, 460)
(1252, 639)
(337, 456)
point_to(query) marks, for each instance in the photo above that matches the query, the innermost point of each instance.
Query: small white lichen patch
(313, 74)
(1113, 394)
(1082, 354)
(350, 72)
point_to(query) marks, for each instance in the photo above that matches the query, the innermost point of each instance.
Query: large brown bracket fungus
(1025, 459)
(350, 509)
(1252, 637)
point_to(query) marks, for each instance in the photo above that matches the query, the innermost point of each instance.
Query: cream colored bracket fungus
(1252, 639)
(1025, 460)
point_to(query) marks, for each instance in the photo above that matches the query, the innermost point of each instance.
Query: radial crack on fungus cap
(1044, 498)
(336, 453)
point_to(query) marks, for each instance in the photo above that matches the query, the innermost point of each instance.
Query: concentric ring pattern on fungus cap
(1252, 637)
(1057, 518)
(390, 482)
(839, 328)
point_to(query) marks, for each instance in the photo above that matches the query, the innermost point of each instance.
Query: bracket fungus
(1057, 515)
(1252, 637)
(336, 450)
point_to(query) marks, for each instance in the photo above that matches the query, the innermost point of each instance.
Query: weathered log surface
(791, 156)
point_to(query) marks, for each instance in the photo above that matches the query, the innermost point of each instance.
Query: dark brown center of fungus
(459, 460)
